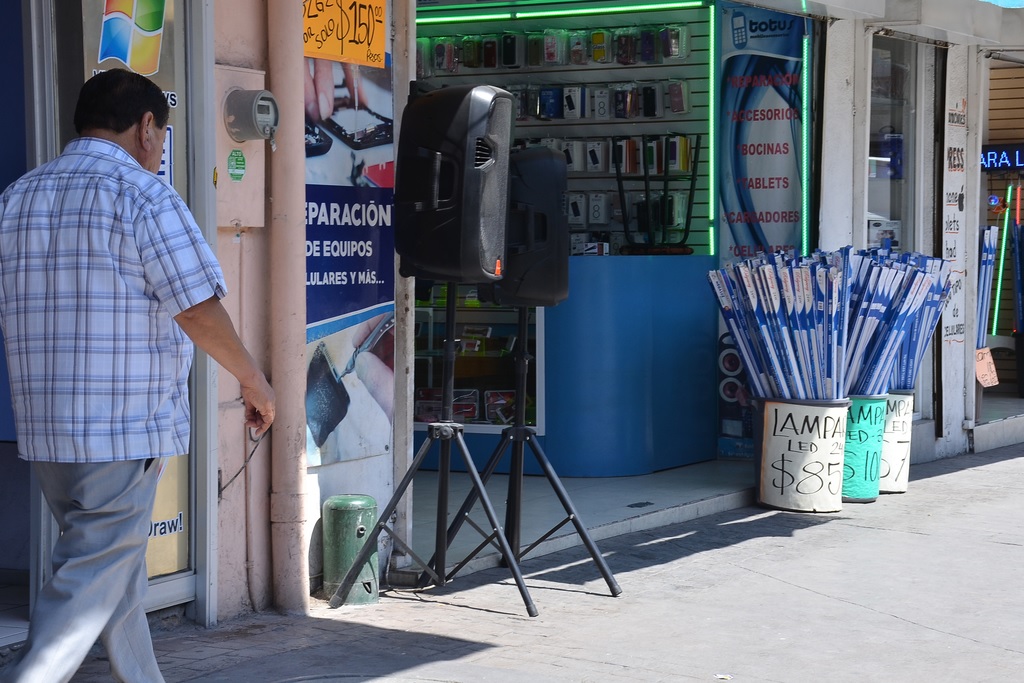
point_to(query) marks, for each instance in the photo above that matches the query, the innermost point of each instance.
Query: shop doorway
(1001, 183)
(62, 47)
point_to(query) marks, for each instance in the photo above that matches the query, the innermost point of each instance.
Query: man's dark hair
(117, 99)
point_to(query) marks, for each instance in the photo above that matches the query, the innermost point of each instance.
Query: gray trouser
(99, 573)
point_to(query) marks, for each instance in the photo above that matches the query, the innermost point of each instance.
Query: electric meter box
(250, 114)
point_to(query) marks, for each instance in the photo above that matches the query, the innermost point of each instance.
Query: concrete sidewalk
(923, 586)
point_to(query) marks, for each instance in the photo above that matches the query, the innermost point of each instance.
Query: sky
(1007, 3)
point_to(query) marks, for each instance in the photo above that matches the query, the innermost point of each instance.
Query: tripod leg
(370, 545)
(514, 503)
(467, 506)
(471, 498)
(570, 509)
(460, 516)
(444, 472)
(492, 516)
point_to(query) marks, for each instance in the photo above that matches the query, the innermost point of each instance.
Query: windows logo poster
(132, 34)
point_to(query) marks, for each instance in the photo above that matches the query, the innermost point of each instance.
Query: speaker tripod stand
(445, 431)
(518, 435)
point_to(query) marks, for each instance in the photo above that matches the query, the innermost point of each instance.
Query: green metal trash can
(347, 521)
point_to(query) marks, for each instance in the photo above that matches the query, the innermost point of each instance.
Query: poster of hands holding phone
(349, 124)
(350, 288)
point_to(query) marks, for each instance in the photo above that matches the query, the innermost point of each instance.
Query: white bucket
(899, 423)
(800, 461)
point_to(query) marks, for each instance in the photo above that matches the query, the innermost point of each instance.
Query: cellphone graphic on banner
(739, 30)
(360, 129)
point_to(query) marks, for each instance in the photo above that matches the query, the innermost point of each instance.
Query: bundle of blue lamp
(832, 344)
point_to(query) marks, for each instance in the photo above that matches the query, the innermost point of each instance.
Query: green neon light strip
(805, 148)
(464, 17)
(519, 3)
(712, 133)
(539, 14)
(486, 5)
(1002, 260)
(609, 10)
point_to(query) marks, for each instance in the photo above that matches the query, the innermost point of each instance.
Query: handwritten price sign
(350, 31)
(899, 425)
(985, 368)
(802, 456)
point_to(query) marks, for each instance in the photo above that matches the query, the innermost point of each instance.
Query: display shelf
(487, 338)
(886, 101)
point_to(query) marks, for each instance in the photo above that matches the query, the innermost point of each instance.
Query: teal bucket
(862, 455)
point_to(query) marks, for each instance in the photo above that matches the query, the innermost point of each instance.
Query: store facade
(886, 98)
(915, 84)
(235, 528)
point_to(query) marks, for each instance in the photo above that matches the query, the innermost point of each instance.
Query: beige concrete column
(287, 226)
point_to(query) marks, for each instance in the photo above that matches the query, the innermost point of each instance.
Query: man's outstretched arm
(209, 326)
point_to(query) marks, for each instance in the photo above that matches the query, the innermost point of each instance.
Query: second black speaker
(536, 271)
(451, 184)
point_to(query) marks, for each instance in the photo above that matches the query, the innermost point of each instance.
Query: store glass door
(891, 149)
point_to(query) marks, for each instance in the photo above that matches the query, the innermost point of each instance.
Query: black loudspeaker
(536, 271)
(451, 184)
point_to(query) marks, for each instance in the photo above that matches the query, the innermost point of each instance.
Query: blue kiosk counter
(630, 365)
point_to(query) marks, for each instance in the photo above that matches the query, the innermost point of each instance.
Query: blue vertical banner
(350, 239)
(760, 186)
(760, 123)
(350, 315)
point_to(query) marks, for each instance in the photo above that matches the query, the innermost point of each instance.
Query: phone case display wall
(623, 97)
(485, 381)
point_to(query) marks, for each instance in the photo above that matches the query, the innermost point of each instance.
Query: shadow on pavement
(272, 648)
(576, 571)
(959, 463)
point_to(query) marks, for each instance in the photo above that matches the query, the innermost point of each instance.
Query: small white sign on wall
(167, 158)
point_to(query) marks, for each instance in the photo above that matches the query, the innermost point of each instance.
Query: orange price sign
(350, 31)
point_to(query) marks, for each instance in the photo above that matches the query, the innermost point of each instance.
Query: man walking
(104, 279)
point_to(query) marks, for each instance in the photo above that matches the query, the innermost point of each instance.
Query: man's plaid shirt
(97, 255)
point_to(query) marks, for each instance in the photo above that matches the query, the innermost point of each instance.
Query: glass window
(890, 210)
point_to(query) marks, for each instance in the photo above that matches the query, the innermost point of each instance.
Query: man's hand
(260, 406)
